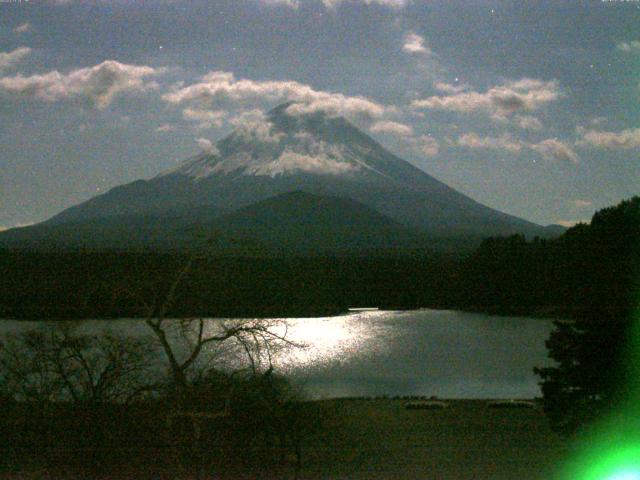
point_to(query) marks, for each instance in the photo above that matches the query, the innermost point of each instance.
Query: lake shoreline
(556, 313)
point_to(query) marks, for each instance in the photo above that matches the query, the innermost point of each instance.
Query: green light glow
(611, 451)
(625, 476)
(619, 464)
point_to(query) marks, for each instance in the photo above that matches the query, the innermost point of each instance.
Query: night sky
(528, 107)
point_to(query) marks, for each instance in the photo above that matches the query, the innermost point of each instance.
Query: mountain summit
(288, 150)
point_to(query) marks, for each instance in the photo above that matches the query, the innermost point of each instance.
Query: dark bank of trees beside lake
(588, 267)
(93, 284)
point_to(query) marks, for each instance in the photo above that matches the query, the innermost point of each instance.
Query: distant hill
(299, 222)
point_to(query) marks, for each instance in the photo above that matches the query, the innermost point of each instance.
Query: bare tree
(57, 362)
(184, 341)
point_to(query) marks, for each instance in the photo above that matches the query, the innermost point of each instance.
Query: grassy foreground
(354, 439)
(381, 439)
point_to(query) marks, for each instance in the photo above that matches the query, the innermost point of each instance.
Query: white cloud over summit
(223, 90)
(207, 146)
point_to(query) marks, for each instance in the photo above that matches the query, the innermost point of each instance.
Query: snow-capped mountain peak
(280, 144)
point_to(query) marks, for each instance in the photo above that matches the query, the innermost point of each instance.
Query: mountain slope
(283, 152)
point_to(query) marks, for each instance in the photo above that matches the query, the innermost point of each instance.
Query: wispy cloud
(204, 118)
(581, 204)
(633, 46)
(550, 149)
(166, 127)
(22, 28)
(284, 3)
(623, 140)
(207, 146)
(527, 122)
(222, 89)
(397, 4)
(98, 84)
(504, 142)
(394, 128)
(554, 149)
(518, 96)
(334, 4)
(415, 44)
(10, 59)
(450, 88)
(425, 145)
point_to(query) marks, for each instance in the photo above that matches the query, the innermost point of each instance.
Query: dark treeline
(85, 284)
(590, 268)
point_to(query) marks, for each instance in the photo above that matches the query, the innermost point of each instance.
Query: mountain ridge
(316, 153)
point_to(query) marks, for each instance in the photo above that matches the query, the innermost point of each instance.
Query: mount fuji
(318, 155)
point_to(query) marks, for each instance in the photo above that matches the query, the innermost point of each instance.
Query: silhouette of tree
(592, 372)
(56, 362)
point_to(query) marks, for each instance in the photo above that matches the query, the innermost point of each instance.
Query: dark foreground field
(466, 440)
(353, 439)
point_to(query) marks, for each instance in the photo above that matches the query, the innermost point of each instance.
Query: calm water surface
(424, 352)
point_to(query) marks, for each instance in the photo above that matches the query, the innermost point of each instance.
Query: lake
(448, 354)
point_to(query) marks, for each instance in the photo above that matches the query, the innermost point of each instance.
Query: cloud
(502, 100)
(284, 3)
(397, 4)
(253, 125)
(22, 28)
(504, 142)
(581, 203)
(624, 140)
(290, 161)
(9, 59)
(549, 149)
(205, 118)
(528, 122)
(165, 127)
(449, 87)
(414, 43)
(426, 145)
(98, 84)
(222, 89)
(394, 128)
(554, 149)
(207, 146)
(633, 46)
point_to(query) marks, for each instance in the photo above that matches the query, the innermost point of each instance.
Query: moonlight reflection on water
(423, 352)
(331, 340)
